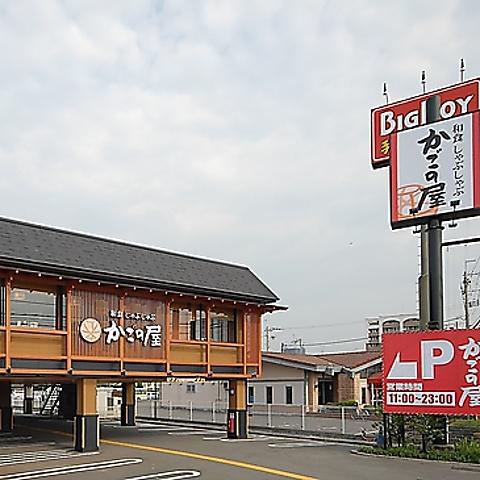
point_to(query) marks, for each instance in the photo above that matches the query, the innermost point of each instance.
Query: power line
(323, 325)
(335, 342)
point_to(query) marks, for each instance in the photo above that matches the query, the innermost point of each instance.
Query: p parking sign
(434, 372)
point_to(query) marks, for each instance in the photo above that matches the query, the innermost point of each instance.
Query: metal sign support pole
(434, 240)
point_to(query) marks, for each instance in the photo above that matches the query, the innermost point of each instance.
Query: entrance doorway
(325, 392)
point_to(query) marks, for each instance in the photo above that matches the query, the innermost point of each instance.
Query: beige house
(314, 380)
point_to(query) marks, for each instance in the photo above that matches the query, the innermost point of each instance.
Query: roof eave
(131, 281)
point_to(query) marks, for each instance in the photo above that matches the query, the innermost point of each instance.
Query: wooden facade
(141, 332)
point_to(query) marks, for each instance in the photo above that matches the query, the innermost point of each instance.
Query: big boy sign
(435, 372)
(395, 117)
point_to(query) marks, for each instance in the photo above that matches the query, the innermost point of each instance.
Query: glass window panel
(223, 326)
(33, 308)
(188, 322)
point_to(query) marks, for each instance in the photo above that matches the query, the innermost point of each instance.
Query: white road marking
(163, 429)
(39, 456)
(257, 438)
(191, 432)
(173, 475)
(84, 467)
(297, 444)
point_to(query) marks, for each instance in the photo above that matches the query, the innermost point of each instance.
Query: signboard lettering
(435, 171)
(412, 113)
(435, 372)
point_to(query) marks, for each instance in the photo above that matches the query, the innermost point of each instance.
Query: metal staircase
(50, 403)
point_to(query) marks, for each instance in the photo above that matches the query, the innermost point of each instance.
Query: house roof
(304, 359)
(51, 250)
(351, 359)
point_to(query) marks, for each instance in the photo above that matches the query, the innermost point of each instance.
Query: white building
(377, 326)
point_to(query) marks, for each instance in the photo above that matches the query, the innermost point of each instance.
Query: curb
(474, 467)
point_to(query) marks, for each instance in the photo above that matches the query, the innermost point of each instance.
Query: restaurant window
(223, 326)
(188, 322)
(251, 395)
(269, 394)
(38, 308)
(288, 395)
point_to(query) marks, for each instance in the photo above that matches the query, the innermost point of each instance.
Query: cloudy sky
(236, 130)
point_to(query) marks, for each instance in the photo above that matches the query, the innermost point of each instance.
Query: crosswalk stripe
(84, 467)
(39, 456)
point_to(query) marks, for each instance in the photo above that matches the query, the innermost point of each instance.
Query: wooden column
(312, 392)
(6, 412)
(87, 429)
(8, 333)
(237, 409)
(128, 404)
(208, 332)
(167, 336)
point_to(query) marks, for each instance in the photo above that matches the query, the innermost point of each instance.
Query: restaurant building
(77, 309)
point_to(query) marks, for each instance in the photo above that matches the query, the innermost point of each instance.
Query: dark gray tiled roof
(46, 249)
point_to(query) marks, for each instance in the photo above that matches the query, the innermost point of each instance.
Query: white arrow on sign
(433, 353)
(402, 370)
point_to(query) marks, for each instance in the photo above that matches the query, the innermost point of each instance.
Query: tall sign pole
(434, 237)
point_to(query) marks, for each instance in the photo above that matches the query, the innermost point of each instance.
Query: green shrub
(347, 403)
(464, 422)
(466, 451)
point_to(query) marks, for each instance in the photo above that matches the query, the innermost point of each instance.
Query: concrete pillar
(87, 428)
(312, 392)
(6, 413)
(67, 401)
(28, 399)
(128, 404)
(237, 409)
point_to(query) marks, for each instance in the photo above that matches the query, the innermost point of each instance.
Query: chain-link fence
(329, 419)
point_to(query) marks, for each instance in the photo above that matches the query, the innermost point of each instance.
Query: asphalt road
(161, 451)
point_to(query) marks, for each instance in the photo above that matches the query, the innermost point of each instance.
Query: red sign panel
(411, 113)
(435, 372)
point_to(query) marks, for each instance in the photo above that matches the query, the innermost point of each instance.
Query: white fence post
(170, 410)
(269, 414)
(213, 412)
(343, 421)
(191, 411)
(303, 417)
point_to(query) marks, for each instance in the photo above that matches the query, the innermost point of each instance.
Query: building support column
(87, 428)
(312, 392)
(6, 412)
(128, 404)
(28, 399)
(67, 402)
(237, 409)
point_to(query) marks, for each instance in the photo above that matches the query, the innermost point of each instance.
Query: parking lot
(42, 449)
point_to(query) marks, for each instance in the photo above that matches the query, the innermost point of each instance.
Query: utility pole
(466, 283)
(268, 332)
